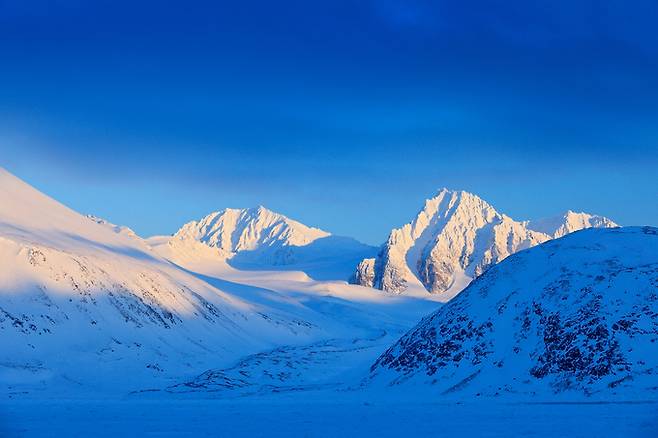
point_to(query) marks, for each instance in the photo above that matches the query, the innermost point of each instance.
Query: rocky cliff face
(577, 313)
(453, 239)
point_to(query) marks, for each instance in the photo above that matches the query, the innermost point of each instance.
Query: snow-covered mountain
(88, 307)
(255, 230)
(258, 238)
(77, 290)
(569, 222)
(453, 239)
(576, 313)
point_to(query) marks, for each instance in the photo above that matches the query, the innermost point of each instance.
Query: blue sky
(343, 115)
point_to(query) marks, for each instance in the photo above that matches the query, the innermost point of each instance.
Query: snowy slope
(576, 315)
(120, 229)
(80, 297)
(88, 307)
(453, 239)
(258, 238)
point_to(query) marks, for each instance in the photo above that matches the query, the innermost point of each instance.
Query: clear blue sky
(344, 115)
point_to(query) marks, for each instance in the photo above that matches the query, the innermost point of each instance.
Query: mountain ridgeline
(258, 238)
(267, 236)
(455, 238)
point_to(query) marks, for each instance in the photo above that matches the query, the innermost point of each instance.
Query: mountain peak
(453, 239)
(233, 230)
(447, 199)
(248, 238)
(570, 221)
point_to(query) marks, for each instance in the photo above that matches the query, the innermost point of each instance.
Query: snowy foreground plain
(296, 416)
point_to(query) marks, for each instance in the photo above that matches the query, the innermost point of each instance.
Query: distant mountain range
(453, 239)
(258, 238)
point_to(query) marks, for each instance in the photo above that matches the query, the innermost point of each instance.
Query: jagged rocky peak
(234, 230)
(453, 239)
(577, 313)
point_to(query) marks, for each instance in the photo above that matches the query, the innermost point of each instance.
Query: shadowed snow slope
(576, 315)
(455, 238)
